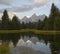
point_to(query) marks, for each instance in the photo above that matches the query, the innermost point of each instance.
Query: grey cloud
(23, 8)
(5, 2)
(30, 7)
(39, 1)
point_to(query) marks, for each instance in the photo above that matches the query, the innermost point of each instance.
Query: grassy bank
(30, 30)
(4, 49)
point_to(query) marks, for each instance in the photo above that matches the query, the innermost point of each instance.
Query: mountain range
(33, 18)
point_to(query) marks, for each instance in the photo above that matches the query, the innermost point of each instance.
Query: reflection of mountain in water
(27, 50)
(32, 48)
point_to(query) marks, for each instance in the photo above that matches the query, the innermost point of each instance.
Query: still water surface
(33, 44)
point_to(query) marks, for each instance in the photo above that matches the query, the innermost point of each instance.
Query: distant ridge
(33, 18)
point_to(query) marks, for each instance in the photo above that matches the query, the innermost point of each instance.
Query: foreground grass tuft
(4, 49)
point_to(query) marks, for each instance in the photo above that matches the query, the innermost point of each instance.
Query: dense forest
(49, 23)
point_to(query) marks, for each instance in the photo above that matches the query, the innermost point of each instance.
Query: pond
(32, 43)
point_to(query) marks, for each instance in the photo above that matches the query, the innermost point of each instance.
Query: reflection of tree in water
(55, 45)
(7, 37)
(54, 40)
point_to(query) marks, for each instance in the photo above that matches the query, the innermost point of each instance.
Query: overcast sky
(27, 7)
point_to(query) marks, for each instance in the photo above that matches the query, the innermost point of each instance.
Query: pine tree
(45, 23)
(5, 21)
(15, 22)
(52, 18)
(39, 25)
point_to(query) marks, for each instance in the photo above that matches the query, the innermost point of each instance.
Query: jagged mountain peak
(34, 15)
(33, 18)
(25, 17)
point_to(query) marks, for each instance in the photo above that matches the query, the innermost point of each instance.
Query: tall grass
(4, 49)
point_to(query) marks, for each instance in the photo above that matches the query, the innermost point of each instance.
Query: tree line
(49, 23)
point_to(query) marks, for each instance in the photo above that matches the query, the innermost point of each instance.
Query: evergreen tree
(15, 22)
(39, 25)
(0, 24)
(52, 18)
(45, 23)
(30, 25)
(5, 21)
(23, 25)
